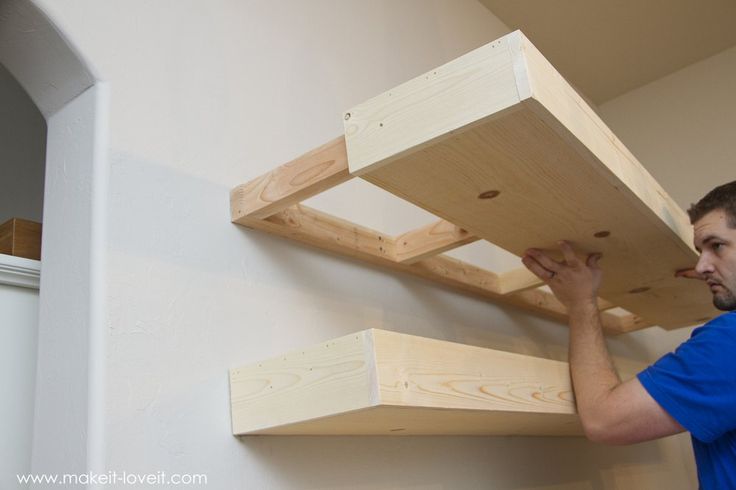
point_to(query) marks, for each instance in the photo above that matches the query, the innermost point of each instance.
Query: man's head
(714, 223)
(722, 197)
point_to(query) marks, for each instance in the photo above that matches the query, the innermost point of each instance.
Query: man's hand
(610, 411)
(574, 281)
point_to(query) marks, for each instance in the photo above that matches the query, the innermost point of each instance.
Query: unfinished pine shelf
(377, 382)
(499, 147)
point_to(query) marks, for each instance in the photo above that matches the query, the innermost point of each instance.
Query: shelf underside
(400, 421)
(550, 193)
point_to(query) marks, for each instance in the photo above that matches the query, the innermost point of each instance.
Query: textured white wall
(22, 152)
(682, 126)
(206, 95)
(71, 292)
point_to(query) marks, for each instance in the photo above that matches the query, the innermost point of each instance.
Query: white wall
(682, 126)
(206, 95)
(22, 152)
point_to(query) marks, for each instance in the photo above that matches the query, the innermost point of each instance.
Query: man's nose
(704, 264)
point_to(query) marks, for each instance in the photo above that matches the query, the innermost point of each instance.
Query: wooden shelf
(377, 382)
(21, 238)
(499, 147)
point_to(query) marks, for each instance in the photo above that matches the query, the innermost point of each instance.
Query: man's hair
(722, 197)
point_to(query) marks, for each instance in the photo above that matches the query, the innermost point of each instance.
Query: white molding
(18, 271)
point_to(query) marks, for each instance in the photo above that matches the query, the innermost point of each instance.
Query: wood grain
(332, 377)
(430, 107)
(430, 240)
(314, 172)
(378, 382)
(532, 167)
(519, 279)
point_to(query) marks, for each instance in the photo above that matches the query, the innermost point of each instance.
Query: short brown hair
(722, 197)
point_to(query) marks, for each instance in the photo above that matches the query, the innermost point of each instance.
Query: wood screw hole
(602, 234)
(639, 290)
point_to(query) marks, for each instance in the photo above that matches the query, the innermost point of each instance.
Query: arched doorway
(68, 376)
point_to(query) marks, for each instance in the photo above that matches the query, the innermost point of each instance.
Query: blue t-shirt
(696, 385)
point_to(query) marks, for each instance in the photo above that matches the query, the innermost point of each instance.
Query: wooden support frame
(430, 240)
(314, 172)
(315, 228)
(443, 145)
(377, 382)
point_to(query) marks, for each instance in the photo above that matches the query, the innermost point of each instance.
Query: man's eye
(717, 246)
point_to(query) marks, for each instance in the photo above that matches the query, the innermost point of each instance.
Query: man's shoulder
(724, 324)
(713, 342)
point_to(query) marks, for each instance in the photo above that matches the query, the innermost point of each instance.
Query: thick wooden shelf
(499, 147)
(377, 382)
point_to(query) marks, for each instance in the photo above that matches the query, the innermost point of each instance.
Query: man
(692, 389)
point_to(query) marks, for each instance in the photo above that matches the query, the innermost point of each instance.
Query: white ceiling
(608, 47)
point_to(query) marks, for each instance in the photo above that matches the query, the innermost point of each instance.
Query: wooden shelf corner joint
(377, 382)
(499, 147)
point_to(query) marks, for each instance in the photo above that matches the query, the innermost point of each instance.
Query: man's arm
(611, 412)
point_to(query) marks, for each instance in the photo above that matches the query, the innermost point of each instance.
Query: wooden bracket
(314, 172)
(430, 240)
